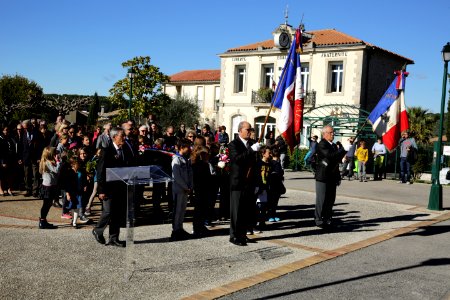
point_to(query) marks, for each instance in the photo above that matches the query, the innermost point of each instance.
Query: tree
(147, 87)
(421, 124)
(64, 104)
(181, 110)
(19, 97)
(93, 111)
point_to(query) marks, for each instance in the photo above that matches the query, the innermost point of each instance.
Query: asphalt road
(412, 266)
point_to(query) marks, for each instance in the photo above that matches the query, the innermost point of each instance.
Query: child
(276, 186)
(49, 167)
(181, 188)
(202, 185)
(75, 185)
(362, 154)
(95, 186)
(263, 169)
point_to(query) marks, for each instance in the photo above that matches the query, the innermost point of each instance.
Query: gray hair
(325, 127)
(241, 124)
(115, 131)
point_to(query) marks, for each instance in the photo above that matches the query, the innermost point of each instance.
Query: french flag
(389, 118)
(288, 97)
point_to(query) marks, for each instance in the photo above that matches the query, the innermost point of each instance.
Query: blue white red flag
(389, 118)
(288, 97)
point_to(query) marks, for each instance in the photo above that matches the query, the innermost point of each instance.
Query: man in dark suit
(329, 155)
(243, 153)
(112, 193)
(29, 156)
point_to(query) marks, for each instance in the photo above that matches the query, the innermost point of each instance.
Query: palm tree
(421, 124)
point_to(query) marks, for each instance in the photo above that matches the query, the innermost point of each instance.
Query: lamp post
(131, 75)
(435, 200)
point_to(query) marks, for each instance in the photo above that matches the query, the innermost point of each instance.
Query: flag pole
(275, 96)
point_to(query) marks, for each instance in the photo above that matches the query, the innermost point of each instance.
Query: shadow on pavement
(430, 262)
(429, 230)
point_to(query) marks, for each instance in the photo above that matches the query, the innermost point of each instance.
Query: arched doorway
(259, 123)
(235, 120)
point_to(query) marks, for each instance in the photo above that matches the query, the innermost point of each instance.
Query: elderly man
(113, 193)
(329, 155)
(243, 154)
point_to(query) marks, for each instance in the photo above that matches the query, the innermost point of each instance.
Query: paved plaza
(69, 264)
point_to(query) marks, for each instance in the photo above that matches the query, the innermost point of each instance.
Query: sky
(77, 47)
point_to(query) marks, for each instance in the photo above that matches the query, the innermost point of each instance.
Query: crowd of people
(64, 165)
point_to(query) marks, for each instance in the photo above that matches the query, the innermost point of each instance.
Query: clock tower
(283, 36)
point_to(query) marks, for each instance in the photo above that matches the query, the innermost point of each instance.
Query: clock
(284, 40)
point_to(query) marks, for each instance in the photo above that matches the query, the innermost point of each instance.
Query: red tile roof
(196, 75)
(324, 37)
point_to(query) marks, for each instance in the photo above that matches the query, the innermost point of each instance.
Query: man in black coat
(243, 154)
(329, 155)
(112, 193)
(30, 157)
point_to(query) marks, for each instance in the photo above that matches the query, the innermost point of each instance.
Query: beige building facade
(337, 70)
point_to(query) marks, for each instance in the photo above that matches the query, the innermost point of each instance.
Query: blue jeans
(405, 170)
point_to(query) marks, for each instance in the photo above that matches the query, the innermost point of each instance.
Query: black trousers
(31, 176)
(242, 212)
(114, 210)
(325, 198)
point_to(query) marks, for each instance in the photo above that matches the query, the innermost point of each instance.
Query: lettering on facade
(282, 57)
(334, 54)
(239, 59)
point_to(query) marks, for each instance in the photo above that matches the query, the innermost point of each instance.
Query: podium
(132, 177)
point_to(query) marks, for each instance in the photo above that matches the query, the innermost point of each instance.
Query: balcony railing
(310, 99)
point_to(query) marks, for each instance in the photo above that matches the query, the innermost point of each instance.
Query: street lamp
(435, 200)
(131, 75)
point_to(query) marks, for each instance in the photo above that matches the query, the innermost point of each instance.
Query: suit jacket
(109, 158)
(328, 159)
(242, 163)
(29, 153)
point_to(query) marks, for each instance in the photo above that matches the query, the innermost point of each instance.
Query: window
(200, 97)
(216, 97)
(337, 73)
(178, 87)
(240, 77)
(217, 93)
(267, 76)
(305, 76)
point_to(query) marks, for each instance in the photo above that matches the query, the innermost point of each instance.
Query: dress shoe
(247, 240)
(28, 194)
(43, 224)
(99, 238)
(238, 242)
(116, 242)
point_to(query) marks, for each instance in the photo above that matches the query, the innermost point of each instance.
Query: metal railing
(310, 99)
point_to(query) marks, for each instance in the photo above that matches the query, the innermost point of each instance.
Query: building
(343, 79)
(201, 85)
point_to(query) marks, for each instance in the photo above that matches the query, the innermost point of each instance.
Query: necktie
(120, 153)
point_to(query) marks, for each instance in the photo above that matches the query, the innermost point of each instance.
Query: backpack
(413, 155)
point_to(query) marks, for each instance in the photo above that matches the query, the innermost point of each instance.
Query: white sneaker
(408, 182)
(83, 220)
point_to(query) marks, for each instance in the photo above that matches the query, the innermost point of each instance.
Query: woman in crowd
(270, 139)
(8, 162)
(181, 132)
